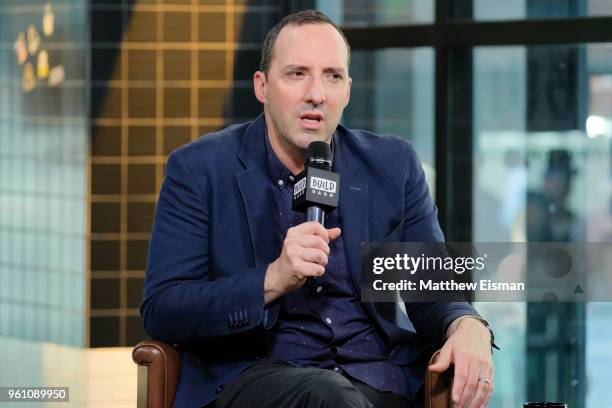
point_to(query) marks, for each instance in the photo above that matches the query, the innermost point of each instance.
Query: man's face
(307, 86)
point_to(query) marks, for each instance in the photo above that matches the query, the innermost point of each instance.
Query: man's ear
(259, 86)
(348, 92)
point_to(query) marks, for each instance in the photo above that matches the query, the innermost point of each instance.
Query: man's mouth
(312, 117)
(312, 121)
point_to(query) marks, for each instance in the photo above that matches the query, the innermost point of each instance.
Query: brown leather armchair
(159, 368)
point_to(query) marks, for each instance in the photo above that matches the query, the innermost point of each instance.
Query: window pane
(393, 92)
(543, 126)
(534, 9)
(375, 12)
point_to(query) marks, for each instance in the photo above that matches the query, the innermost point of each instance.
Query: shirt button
(280, 182)
(319, 289)
(328, 320)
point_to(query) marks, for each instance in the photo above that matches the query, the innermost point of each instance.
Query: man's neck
(292, 158)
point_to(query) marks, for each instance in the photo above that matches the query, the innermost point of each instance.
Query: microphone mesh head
(319, 155)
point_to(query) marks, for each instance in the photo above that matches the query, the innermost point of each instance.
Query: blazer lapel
(259, 208)
(354, 213)
(253, 184)
(353, 204)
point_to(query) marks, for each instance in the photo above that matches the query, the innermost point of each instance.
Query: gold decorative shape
(20, 49)
(33, 39)
(48, 20)
(57, 75)
(28, 82)
(42, 65)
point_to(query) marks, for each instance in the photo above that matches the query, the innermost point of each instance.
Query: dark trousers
(276, 384)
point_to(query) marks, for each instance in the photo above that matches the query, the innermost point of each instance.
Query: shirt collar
(278, 171)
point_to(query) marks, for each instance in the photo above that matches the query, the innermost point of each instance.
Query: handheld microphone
(316, 189)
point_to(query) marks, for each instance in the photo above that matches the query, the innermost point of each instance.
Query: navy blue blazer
(213, 238)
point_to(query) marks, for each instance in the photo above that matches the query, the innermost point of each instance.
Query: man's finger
(443, 361)
(313, 241)
(482, 391)
(491, 378)
(469, 387)
(314, 255)
(310, 269)
(459, 379)
(312, 227)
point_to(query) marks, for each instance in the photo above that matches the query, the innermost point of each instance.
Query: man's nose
(316, 92)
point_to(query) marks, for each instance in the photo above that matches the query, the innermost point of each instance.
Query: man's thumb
(443, 361)
(333, 233)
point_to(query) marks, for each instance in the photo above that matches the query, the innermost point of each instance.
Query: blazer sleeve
(181, 301)
(430, 319)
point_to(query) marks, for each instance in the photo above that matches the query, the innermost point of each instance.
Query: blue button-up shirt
(322, 324)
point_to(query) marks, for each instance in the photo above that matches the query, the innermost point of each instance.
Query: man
(264, 305)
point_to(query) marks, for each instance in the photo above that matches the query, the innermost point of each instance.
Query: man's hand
(305, 252)
(469, 348)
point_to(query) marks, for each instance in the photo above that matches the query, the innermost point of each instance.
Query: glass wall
(521, 145)
(392, 93)
(535, 9)
(379, 12)
(43, 156)
(543, 123)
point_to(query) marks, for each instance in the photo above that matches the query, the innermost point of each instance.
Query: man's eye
(296, 74)
(336, 76)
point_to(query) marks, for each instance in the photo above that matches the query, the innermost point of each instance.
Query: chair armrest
(159, 368)
(438, 386)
